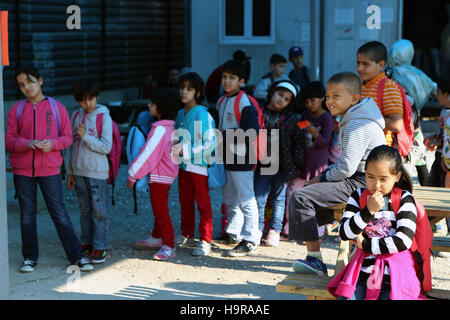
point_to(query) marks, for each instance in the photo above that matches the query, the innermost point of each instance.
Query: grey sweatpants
(307, 205)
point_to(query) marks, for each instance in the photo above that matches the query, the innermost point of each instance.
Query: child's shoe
(86, 249)
(28, 266)
(311, 265)
(202, 249)
(273, 238)
(99, 256)
(84, 264)
(244, 248)
(149, 243)
(164, 253)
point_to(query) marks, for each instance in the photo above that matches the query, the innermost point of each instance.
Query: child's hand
(34, 144)
(313, 181)
(81, 130)
(358, 241)
(45, 145)
(375, 202)
(313, 131)
(70, 181)
(130, 184)
(177, 149)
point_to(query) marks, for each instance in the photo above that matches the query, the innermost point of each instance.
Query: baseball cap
(240, 55)
(295, 51)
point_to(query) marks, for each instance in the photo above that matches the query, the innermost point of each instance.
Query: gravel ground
(132, 274)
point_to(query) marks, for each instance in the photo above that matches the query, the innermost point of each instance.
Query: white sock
(315, 254)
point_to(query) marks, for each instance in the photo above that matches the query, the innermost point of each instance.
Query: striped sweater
(392, 99)
(398, 236)
(360, 130)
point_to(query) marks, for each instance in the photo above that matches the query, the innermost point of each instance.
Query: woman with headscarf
(418, 87)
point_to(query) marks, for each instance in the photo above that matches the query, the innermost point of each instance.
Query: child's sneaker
(202, 249)
(182, 241)
(273, 238)
(86, 249)
(244, 248)
(311, 265)
(84, 264)
(28, 266)
(226, 239)
(99, 256)
(149, 243)
(164, 253)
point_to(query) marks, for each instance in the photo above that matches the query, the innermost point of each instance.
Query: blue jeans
(275, 186)
(360, 294)
(51, 188)
(93, 200)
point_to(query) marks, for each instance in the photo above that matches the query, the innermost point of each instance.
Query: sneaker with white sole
(311, 265)
(273, 238)
(164, 253)
(244, 248)
(28, 266)
(202, 249)
(148, 244)
(84, 264)
(182, 241)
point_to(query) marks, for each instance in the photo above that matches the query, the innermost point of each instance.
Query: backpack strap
(380, 92)
(19, 109)
(237, 112)
(363, 198)
(99, 124)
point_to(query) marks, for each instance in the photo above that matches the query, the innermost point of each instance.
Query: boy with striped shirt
(370, 62)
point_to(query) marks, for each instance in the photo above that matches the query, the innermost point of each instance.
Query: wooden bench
(437, 203)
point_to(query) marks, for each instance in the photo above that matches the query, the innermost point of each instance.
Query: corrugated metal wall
(119, 43)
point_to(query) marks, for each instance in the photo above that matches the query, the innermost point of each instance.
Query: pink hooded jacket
(37, 122)
(156, 156)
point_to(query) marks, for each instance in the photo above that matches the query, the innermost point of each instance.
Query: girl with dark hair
(38, 129)
(195, 119)
(383, 237)
(281, 100)
(156, 159)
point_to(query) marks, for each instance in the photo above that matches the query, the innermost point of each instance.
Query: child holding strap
(383, 266)
(193, 177)
(156, 158)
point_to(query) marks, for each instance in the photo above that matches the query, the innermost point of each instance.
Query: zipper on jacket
(34, 133)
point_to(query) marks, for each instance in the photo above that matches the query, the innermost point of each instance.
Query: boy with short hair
(361, 130)
(300, 74)
(238, 192)
(88, 169)
(277, 68)
(370, 62)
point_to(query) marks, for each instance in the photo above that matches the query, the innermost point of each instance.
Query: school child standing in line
(88, 169)
(238, 191)
(193, 178)
(278, 117)
(156, 159)
(383, 267)
(38, 129)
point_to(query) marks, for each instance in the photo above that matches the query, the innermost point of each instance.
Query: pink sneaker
(149, 243)
(164, 253)
(273, 238)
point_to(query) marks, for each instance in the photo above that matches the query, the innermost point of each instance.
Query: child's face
(379, 177)
(297, 61)
(153, 109)
(443, 98)
(188, 93)
(280, 100)
(339, 99)
(368, 69)
(30, 86)
(278, 69)
(88, 104)
(173, 76)
(314, 104)
(231, 83)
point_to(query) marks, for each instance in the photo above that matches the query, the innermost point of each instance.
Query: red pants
(159, 197)
(194, 187)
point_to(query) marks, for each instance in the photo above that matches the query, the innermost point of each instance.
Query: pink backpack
(116, 149)
(405, 137)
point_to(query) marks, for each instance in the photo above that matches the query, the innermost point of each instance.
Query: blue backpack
(136, 140)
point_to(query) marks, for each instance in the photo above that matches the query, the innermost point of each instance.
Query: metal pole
(4, 265)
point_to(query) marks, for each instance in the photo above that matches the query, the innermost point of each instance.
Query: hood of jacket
(365, 110)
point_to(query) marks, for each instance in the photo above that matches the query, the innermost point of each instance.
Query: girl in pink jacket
(155, 159)
(38, 129)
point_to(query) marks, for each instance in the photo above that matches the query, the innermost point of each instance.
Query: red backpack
(423, 238)
(116, 149)
(405, 137)
(260, 145)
